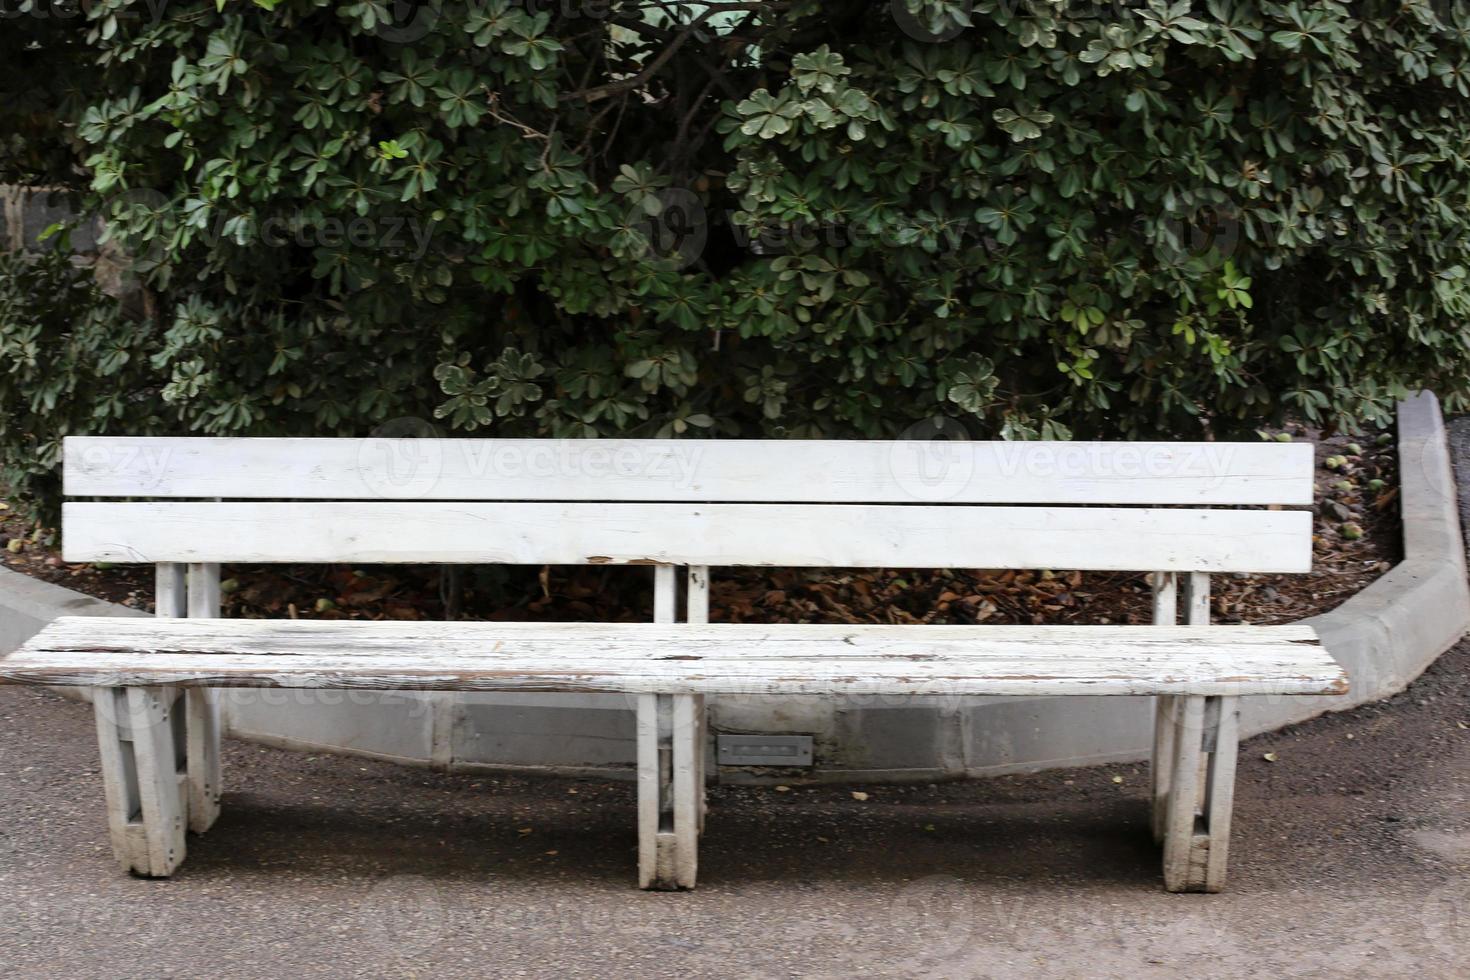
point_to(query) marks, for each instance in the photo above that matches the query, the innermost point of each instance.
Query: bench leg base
(140, 735)
(1194, 787)
(670, 790)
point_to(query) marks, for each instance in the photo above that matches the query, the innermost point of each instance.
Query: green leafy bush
(1037, 218)
(68, 363)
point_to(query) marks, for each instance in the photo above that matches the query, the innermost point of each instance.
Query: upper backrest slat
(730, 471)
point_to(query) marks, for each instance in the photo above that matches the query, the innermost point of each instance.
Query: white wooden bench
(1173, 509)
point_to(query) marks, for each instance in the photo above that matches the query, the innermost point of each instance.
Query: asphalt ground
(1351, 857)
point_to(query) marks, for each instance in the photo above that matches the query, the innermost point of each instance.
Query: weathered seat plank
(651, 658)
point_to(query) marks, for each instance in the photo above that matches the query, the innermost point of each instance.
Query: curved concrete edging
(1385, 636)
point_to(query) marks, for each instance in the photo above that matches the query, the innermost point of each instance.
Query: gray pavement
(1351, 858)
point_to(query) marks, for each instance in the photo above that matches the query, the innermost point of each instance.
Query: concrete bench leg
(1199, 791)
(140, 733)
(201, 726)
(701, 748)
(193, 590)
(1161, 763)
(670, 789)
(202, 708)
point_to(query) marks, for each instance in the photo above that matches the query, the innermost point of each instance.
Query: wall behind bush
(1019, 219)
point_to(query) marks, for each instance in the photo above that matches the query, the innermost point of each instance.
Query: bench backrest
(1103, 506)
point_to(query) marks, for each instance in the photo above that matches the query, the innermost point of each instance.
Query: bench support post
(1195, 744)
(1165, 613)
(1163, 763)
(670, 791)
(697, 611)
(140, 737)
(202, 715)
(1200, 797)
(671, 765)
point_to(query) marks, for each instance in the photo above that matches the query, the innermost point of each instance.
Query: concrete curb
(1390, 632)
(1385, 636)
(28, 604)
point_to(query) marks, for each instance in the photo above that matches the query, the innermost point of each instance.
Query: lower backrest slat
(892, 536)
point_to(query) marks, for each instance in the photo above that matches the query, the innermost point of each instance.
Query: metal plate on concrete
(763, 750)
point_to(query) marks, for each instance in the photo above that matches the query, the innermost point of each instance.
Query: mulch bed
(1357, 538)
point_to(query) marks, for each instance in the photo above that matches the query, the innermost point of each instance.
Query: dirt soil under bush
(1357, 538)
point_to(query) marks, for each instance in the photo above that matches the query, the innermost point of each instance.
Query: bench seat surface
(676, 659)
